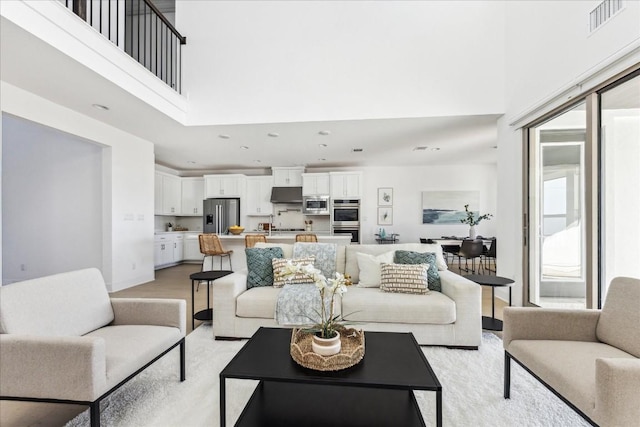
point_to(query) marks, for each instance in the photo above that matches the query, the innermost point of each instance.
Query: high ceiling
(383, 142)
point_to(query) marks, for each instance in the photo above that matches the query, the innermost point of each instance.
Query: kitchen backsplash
(192, 223)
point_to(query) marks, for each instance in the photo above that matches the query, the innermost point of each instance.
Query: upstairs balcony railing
(141, 30)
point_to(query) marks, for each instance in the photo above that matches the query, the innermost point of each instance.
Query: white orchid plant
(328, 288)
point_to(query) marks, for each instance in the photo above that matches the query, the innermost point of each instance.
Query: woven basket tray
(352, 351)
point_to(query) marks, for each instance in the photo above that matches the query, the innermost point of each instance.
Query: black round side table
(208, 276)
(491, 323)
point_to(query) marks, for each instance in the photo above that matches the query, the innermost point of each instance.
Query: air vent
(421, 148)
(357, 150)
(603, 12)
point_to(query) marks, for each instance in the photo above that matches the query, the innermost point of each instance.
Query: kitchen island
(236, 244)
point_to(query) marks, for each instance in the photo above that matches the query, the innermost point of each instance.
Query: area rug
(471, 380)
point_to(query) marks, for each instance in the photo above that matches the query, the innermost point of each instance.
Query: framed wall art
(385, 216)
(447, 207)
(385, 196)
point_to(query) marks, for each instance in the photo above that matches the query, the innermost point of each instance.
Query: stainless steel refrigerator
(220, 214)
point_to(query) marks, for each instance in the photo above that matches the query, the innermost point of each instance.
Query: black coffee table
(491, 323)
(376, 391)
(201, 276)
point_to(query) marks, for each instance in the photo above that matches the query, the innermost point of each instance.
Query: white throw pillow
(369, 266)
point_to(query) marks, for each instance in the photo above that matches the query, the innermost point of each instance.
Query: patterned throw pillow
(260, 267)
(278, 265)
(404, 278)
(410, 257)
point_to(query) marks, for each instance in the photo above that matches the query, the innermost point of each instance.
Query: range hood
(286, 195)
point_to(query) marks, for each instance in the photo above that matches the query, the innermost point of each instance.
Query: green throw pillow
(259, 265)
(410, 257)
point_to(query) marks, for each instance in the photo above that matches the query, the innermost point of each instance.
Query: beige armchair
(589, 358)
(63, 340)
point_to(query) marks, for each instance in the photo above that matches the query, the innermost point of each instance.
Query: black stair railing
(141, 30)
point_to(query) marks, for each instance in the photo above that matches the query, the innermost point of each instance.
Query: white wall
(53, 201)
(128, 169)
(546, 65)
(280, 61)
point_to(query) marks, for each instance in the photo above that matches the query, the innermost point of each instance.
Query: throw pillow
(410, 257)
(369, 266)
(278, 266)
(404, 278)
(259, 265)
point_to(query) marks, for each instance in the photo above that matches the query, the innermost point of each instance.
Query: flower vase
(472, 232)
(326, 346)
(308, 227)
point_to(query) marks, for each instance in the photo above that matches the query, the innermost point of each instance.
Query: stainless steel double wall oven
(346, 218)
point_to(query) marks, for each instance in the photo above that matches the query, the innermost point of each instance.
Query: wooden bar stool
(307, 237)
(250, 240)
(210, 246)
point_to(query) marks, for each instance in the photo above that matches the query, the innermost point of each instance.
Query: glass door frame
(593, 203)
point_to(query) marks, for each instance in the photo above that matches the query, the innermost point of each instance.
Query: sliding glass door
(557, 226)
(620, 181)
(582, 212)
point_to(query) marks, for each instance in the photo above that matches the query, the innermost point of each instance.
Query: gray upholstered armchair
(62, 339)
(589, 358)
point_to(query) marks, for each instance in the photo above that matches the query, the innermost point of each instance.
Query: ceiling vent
(357, 150)
(603, 13)
(420, 148)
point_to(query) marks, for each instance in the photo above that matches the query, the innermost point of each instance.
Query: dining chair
(250, 240)
(488, 255)
(470, 250)
(210, 246)
(307, 237)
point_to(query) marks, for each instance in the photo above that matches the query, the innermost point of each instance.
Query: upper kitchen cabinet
(192, 196)
(168, 190)
(315, 184)
(346, 185)
(258, 199)
(287, 177)
(231, 185)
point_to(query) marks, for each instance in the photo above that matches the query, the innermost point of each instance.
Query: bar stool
(250, 240)
(210, 246)
(307, 237)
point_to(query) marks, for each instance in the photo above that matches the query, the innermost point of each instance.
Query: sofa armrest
(57, 367)
(530, 323)
(467, 296)
(224, 293)
(150, 311)
(617, 391)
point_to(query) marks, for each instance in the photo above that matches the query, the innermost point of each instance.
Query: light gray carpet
(471, 381)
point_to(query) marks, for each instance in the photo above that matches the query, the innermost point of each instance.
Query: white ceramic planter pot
(326, 346)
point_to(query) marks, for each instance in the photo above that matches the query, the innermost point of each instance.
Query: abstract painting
(447, 207)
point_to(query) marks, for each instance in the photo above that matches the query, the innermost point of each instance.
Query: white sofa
(452, 317)
(62, 339)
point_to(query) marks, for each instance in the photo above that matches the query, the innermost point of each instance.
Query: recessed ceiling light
(495, 146)
(244, 147)
(100, 107)
(357, 150)
(322, 145)
(421, 148)
(435, 149)
(224, 136)
(325, 132)
(273, 134)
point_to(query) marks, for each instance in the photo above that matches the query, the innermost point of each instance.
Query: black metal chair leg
(94, 414)
(183, 374)
(507, 376)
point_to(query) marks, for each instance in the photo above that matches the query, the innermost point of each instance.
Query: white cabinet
(346, 185)
(192, 196)
(178, 247)
(168, 190)
(191, 247)
(224, 185)
(164, 252)
(315, 184)
(287, 177)
(258, 199)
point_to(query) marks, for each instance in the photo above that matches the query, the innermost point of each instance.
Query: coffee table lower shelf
(297, 404)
